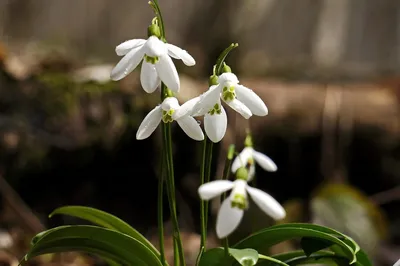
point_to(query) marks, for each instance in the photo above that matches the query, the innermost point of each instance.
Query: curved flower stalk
(169, 111)
(238, 97)
(233, 207)
(248, 156)
(157, 64)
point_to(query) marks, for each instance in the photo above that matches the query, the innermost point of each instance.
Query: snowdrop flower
(247, 157)
(233, 207)
(169, 111)
(397, 263)
(157, 64)
(241, 99)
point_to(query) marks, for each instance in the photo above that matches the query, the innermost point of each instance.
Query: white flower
(157, 64)
(397, 263)
(232, 208)
(247, 157)
(170, 111)
(241, 99)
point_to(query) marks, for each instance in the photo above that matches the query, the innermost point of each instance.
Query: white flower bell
(169, 111)
(157, 64)
(247, 157)
(233, 207)
(241, 99)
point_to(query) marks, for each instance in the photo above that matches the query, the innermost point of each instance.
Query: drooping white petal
(215, 188)
(215, 125)
(170, 103)
(267, 203)
(167, 72)
(149, 77)
(264, 161)
(228, 77)
(127, 64)
(178, 53)
(207, 100)
(251, 100)
(149, 123)
(251, 172)
(242, 159)
(186, 108)
(190, 126)
(239, 107)
(154, 47)
(126, 46)
(397, 263)
(228, 219)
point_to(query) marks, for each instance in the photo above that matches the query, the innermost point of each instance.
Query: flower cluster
(157, 67)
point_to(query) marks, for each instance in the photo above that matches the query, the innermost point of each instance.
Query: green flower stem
(203, 231)
(227, 168)
(160, 212)
(179, 256)
(210, 146)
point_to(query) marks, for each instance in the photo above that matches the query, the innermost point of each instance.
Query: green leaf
(300, 258)
(311, 245)
(363, 259)
(104, 219)
(246, 257)
(106, 243)
(212, 257)
(270, 261)
(279, 233)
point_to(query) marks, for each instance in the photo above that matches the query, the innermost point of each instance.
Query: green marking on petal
(151, 60)
(215, 110)
(239, 201)
(228, 94)
(167, 116)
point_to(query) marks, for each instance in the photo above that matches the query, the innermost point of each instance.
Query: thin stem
(227, 168)
(171, 189)
(208, 175)
(160, 213)
(203, 231)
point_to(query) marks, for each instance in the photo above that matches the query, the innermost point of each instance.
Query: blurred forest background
(328, 70)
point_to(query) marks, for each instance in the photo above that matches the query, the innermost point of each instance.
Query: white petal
(178, 53)
(149, 77)
(215, 125)
(186, 108)
(228, 77)
(397, 263)
(267, 203)
(149, 123)
(170, 103)
(190, 126)
(252, 172)
(125, 47)
(127, 64)
(264, 161)
(239, 107)
(215, 188)
(242, 159)
(228, 219)
(207, 101)
(154, 47)
(251, 100)
(167, 72)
